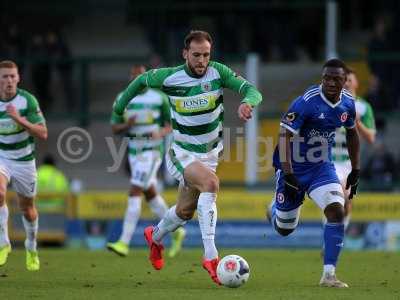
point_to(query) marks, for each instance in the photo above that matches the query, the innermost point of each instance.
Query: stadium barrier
(242, 222)
(54, 210)
(92, 218)
(237, 205)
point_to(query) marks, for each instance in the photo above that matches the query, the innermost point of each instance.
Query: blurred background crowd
(75, 56)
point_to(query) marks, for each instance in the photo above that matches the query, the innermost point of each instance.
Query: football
(233, 271)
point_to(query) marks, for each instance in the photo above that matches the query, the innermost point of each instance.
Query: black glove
(292, 186)
(352, 181)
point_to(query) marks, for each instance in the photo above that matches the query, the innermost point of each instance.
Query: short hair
(335, 63)
(198, 36)
(138, 66)
(350, 71)
(8, 64)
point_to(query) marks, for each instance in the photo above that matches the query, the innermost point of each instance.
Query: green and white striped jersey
(15, 142)
(151, 111)
(366, 115)
(196, 103)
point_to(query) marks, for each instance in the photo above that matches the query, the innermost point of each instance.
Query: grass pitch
(274, 274)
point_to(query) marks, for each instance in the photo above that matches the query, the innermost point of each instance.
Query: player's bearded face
(198, 56)
(9, 79)
(333, 80)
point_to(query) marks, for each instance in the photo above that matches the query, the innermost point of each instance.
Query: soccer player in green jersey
(146, 123)
(365, 123)
(195, 91)
(20, 121)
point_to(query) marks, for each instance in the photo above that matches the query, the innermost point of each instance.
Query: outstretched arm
(251, 96)
(367, 133)
(284, 150)
(238, 84)
(133, 89)
(353, 146)
(285, 158)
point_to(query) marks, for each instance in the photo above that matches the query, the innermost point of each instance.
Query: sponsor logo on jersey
(8, 126)
(280, 198)
(328, 135)
(344, 117)
(321, 116)
(195, 104)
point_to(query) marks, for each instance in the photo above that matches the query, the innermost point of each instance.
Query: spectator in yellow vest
(51, 180)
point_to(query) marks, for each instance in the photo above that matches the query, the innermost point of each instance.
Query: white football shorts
(178, 159)
(21, 174)
(343, 170)
(144, 168)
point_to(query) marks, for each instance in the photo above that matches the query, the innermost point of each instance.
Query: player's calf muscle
(185, 211)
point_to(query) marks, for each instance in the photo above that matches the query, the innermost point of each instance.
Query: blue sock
(333, 240)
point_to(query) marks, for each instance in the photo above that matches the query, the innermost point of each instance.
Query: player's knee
(29, 212)
(149, 194)
(135, 191)
(334, 212)
(211, 184)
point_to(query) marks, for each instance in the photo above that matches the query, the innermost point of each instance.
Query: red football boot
(211, 267)
(155, 249)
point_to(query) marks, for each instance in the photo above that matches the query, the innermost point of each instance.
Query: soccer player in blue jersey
(302, 161)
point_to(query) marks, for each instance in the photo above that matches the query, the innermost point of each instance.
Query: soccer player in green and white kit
(20, 121)
(146, 122)
(195, 93)
(365, 124)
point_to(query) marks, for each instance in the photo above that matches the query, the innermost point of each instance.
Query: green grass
(278, 274)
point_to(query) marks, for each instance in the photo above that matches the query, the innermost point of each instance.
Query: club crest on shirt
(280, 198)
(290, 117)
(205, 86)
(344, 117)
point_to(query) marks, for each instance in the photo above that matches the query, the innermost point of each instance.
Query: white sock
(170, 222)
(4, 240)
(158, 206)
(207, 215)
(31, 229)
(329, 269)
(132, 215)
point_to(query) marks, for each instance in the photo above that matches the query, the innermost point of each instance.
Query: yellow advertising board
(238, 204)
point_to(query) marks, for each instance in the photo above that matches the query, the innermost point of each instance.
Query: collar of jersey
(327, 101)
(11, 99)
(190, 73)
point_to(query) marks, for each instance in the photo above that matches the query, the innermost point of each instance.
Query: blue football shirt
(313, 120)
